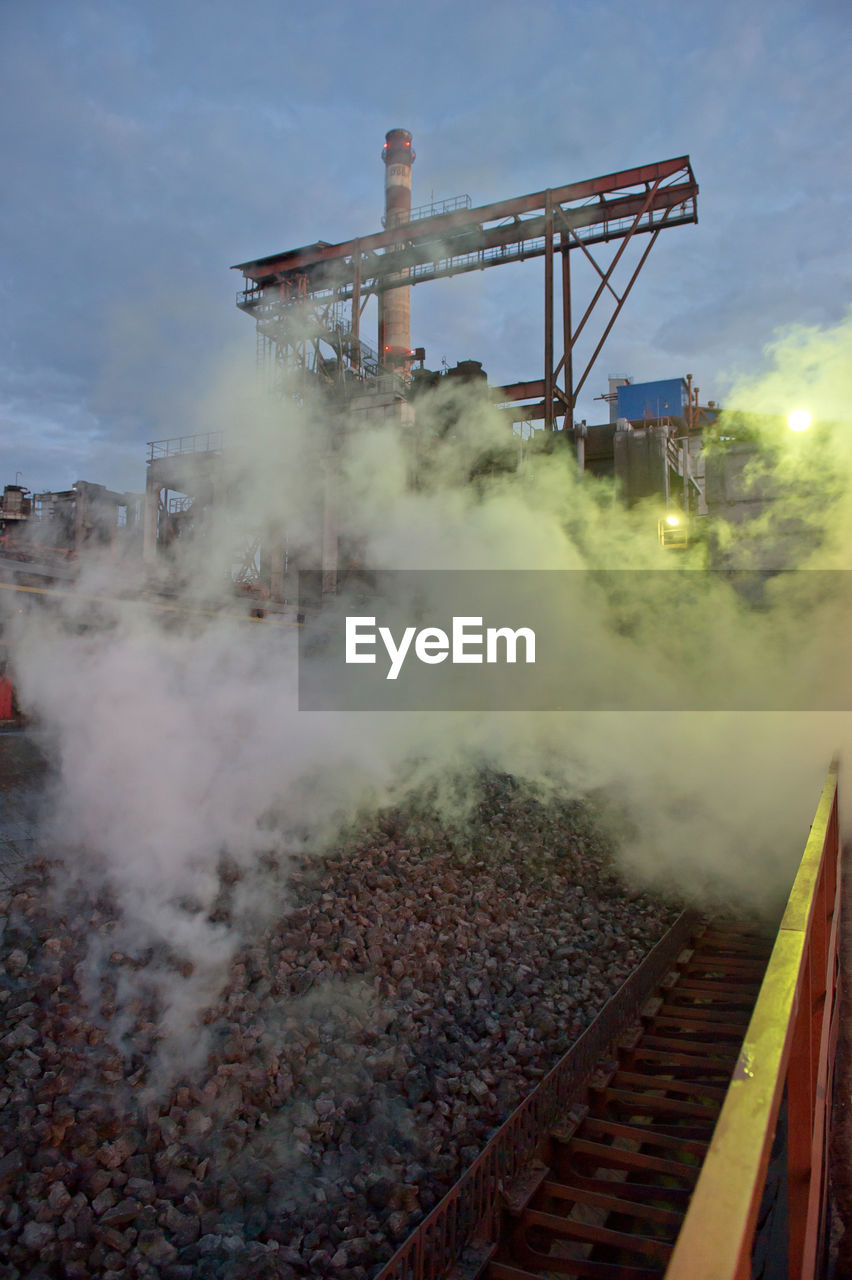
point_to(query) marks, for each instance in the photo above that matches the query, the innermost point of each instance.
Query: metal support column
(329, 547)
(150, 519)
(275, 552)
(356, 298)
(567, 336)
(548, 311)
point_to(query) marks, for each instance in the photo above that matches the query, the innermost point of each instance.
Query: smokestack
(395, 304)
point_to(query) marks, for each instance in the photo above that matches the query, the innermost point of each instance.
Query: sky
(147, 146)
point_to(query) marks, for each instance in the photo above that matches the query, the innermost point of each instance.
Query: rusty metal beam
(527, 412)
(616, 313)
(519, 391)
(548, 312)
(580, 244)
(605, 276)
(310, 255)
(555, 400)
(567, 344)
(476, 250)
(356, 292)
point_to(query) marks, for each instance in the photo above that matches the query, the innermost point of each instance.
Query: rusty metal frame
(617, 206)
(468, 229)
(789, 1044)
(471, 1209)
(570, 337)
(552, 400)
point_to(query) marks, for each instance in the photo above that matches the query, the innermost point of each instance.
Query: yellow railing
(786, 1060)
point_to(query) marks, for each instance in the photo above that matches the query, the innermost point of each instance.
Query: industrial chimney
(395, 304)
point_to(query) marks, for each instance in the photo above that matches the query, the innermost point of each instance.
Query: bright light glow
(673, 521)
(799, 420)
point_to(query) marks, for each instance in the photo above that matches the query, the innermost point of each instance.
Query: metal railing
(471, 1209)
(517, 250)
(258, 298)
(206, 442)
(780, 1094)
(435, 208)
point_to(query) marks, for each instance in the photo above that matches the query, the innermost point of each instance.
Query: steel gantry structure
(317, 293)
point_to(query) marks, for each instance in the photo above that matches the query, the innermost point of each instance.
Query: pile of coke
(411, 990)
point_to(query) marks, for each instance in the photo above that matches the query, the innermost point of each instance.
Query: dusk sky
(148, 146)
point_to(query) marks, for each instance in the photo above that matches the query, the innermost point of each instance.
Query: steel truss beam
(312, 283)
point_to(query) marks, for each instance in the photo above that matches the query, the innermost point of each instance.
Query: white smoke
(180, 739)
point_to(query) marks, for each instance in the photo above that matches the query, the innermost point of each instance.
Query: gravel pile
(364, 1048)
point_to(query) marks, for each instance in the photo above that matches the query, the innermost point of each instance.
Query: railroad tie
(610, 1194)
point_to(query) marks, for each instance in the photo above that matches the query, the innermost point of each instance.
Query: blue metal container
(643, 401)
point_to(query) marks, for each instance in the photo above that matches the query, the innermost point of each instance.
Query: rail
(780, 1094)
(472, 1207)
(178, 446)
(534, 246)
(434, 208)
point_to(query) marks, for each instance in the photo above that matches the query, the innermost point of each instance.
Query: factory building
(44, 534)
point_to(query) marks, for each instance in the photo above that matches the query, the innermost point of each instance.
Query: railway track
(686, 1133)
(608, 1197)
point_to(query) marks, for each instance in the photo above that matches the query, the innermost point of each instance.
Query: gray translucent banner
(590, 640)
